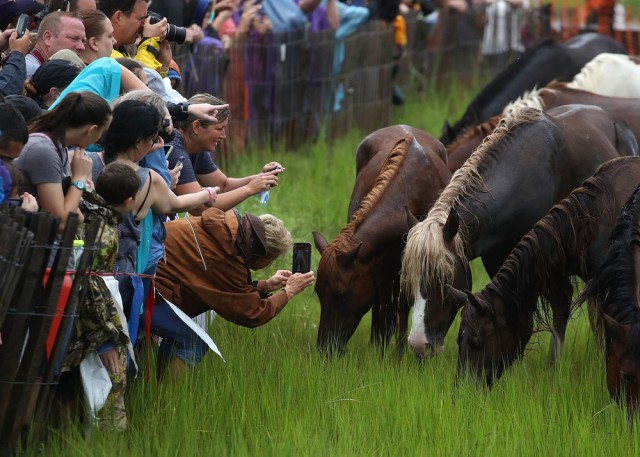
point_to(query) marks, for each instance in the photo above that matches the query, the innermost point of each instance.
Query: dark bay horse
(402, 171)
(537, 67)
(571, 239)
(615, 286)
(604, 81)
(531, 161)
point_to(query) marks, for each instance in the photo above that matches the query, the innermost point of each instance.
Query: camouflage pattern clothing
(113, 414)
(98, 321)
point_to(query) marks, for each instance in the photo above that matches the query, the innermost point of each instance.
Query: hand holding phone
(22, 24)
(301, 258)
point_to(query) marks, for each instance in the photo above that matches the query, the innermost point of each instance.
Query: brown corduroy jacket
(225, 285)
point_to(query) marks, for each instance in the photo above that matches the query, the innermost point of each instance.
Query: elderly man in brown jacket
(208, 262)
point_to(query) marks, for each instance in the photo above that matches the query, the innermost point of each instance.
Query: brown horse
(615, 286)
(571, 239)
(530, 162)
(403, 169)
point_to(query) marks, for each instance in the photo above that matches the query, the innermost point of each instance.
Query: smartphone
(22, 24)
(301, 258)
(167, 150)
(14, 201)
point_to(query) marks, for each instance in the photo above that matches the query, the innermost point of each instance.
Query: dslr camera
(174, 33)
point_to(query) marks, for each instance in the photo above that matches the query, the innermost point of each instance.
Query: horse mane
(588, 78)
(530, 99)
(388, 171)
(483, 129)
(540, 258)
(426, 256)
(613, 284)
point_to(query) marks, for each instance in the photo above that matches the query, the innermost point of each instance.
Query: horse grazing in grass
(359, 270)
(537, 67)
(615, 286)
(531, 161)
(570, 240)
(603, 82)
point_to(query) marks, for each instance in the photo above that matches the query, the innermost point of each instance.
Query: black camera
(174, 33)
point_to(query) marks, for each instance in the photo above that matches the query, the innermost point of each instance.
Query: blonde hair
(221, 115)
(278, 238)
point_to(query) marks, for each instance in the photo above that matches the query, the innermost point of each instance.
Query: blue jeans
(177, 338)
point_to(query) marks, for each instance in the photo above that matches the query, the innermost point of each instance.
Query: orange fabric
(399, 31)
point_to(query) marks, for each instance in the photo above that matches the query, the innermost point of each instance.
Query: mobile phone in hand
(14, 201)
(301, 258)
(167, 150)
(22, 24)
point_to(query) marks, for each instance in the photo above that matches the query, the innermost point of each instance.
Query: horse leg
(383, 324)
(402, 311)
(560, 301)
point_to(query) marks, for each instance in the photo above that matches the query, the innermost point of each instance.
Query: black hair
(109, 7)
(133, 120)
(117, 182)
(12, 126)
(74, 110)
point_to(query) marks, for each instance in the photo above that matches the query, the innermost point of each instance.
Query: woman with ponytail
(53, 174)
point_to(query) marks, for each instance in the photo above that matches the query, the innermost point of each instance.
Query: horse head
(346, 291)
(623, 362)
(434, 308)
(488, 343)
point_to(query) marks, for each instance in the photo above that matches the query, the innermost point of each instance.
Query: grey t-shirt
(41, 162)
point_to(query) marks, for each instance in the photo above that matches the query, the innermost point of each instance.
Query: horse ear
(446, 128)
(460, 298)
(411, 219)
(613, 328)
(475, 303)
(319, 241)
(451, 226)
(346, 258)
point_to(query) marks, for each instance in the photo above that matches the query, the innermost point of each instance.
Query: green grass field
(274, 396)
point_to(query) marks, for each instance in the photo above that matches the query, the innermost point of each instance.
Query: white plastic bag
(96, 383)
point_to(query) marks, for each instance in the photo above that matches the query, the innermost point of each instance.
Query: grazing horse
(537, 67)
(613, 75)
(531, 161)
(615, 286)
(570, 240)
(359, 270)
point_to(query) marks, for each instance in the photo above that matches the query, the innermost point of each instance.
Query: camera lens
(174, 33)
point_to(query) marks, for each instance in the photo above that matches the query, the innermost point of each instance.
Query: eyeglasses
(166, 123)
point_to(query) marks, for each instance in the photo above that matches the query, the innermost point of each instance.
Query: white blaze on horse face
(417, 337)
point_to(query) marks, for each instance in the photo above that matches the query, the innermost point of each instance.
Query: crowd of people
(90, 124)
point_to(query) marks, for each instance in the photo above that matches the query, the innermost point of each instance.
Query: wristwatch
(79, 184)
(184, 105)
